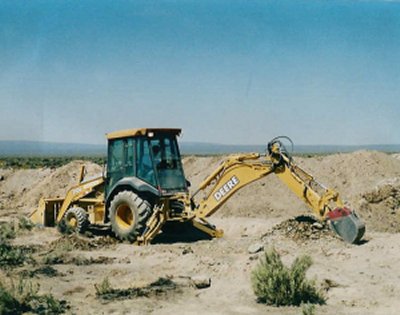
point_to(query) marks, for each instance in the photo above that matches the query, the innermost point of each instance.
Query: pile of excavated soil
(74, 241)
(303, 228)
(21, 189)
(381, 208)
(353, 173)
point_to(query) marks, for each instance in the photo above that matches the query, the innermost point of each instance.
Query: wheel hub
(72, 222)
(124, 216)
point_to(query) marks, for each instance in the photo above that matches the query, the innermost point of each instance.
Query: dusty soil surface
(357, 279)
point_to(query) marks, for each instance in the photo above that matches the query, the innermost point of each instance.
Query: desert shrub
(308, 309)
(25, 223)
(275, 284)
(58, 256)
(7, 232)
(22, 296)
(25, 162)
(162, 286)
(47, 271)
(103, 288)
(83, 261)
(11, 256)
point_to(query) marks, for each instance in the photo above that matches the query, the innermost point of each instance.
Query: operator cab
(151, 155)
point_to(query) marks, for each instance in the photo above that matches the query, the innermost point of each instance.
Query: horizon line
(207, 143)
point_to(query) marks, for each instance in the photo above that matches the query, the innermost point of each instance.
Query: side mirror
(188, 184)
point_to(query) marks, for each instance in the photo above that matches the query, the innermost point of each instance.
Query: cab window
(167, 162)
(144, 164)
(115, 162)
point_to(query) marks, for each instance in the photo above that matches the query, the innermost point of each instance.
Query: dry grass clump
(275, 284)
(23, 296)
(106, 292)
(10, 255)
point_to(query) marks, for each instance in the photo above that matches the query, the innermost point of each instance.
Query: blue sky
(233, 72)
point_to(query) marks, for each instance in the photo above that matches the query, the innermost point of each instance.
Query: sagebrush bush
(308, 309)
(25, 223)
(22, 296)
(11, 256)
(23, 162)
(161, 286)
(7, 232)
(103, 288)
(275, 284)
(55, 257)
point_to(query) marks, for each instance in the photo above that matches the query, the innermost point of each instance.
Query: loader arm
(77, 193)
(51, 210)
(240, 170)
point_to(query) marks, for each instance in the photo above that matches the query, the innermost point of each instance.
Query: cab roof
(141, 132)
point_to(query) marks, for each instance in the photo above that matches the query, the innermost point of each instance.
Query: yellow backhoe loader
(144, 187)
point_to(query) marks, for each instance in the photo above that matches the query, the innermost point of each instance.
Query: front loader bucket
(347, 225)
(46, 213)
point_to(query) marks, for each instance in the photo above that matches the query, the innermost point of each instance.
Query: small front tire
(76, 219)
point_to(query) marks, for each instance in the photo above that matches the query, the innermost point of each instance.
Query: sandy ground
(366, 276)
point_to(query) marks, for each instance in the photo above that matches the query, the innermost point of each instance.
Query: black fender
(141, 188)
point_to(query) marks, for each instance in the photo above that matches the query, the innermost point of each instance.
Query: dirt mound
(302, 229)
(381, 208)
(396, 156)
(353, 173)
(22, 189)
(76, 242)
(198, 168)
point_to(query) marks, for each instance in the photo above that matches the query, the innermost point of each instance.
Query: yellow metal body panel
(139, 132)
(233, 174)
(76, 193)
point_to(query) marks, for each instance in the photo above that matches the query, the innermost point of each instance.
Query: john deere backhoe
(145, 187)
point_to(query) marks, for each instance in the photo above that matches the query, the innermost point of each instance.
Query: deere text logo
(226, 188)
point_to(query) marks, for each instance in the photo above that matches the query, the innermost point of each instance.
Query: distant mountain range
(36, 148)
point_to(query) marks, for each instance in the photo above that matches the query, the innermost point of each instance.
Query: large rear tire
(76, 219)
(128, 215)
